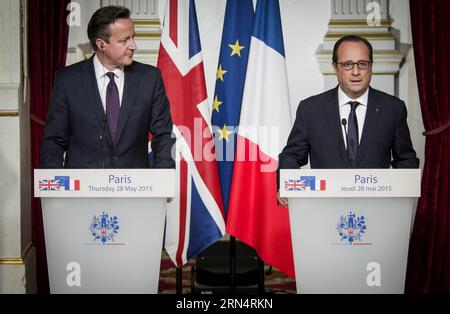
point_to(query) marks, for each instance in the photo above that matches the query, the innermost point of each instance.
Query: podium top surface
(350, 182)
(104, 182)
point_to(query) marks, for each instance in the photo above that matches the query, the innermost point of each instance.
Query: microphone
(344, 123)
(103, 131)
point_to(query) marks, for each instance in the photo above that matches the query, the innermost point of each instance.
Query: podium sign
(104, 228)
(350, 227)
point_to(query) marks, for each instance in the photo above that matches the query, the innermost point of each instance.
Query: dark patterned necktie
(112, 106)
(352, 137)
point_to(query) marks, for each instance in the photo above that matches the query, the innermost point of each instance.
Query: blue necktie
(112, 106)
(352, 137)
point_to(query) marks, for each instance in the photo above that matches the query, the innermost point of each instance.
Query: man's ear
(101, 45)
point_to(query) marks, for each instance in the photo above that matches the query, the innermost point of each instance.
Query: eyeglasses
(348, 66)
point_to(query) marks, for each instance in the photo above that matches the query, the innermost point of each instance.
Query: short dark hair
(98, 26)
(353, 38)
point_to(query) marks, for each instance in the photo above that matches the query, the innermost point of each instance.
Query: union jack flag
(49, 185)
(294, 185)
(195, 219)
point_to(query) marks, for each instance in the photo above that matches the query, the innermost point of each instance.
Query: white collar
(100, 70)
(344, 99)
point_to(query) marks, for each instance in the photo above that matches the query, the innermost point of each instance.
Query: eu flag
(64, 181)
(230, 78)
(310, 182)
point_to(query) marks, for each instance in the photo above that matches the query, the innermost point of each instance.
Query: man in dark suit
(102, 109)
(352, 125)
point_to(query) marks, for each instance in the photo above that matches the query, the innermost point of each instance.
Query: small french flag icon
(74, 185)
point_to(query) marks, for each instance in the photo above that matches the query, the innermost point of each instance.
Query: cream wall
(17, 257)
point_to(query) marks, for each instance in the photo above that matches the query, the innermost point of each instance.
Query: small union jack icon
(49, 185)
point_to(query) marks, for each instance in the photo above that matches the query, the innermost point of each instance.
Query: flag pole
(261, 277)
(179, 285)
(232, 265)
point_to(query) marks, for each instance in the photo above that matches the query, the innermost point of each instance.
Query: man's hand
(282, 200)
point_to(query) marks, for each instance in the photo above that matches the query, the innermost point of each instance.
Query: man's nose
(133, 45)
(355, 70)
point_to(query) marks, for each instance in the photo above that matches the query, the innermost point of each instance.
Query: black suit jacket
(317, 134)
(77, 125)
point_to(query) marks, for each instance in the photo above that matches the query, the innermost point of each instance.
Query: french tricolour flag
(195, 219)
(254, 215)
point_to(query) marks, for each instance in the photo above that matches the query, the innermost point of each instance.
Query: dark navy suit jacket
(76, 132)
(317, 135)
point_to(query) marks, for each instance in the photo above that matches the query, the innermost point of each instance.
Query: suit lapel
(331, 110)
(129, 94)
(370, 123)
(93, 96)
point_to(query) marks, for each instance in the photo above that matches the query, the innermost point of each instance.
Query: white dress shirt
(103, 80)
(344, 111)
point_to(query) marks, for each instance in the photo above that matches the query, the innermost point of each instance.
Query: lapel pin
(377, 109)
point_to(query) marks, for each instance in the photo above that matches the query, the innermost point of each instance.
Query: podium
(104, 227)
(350, 227)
